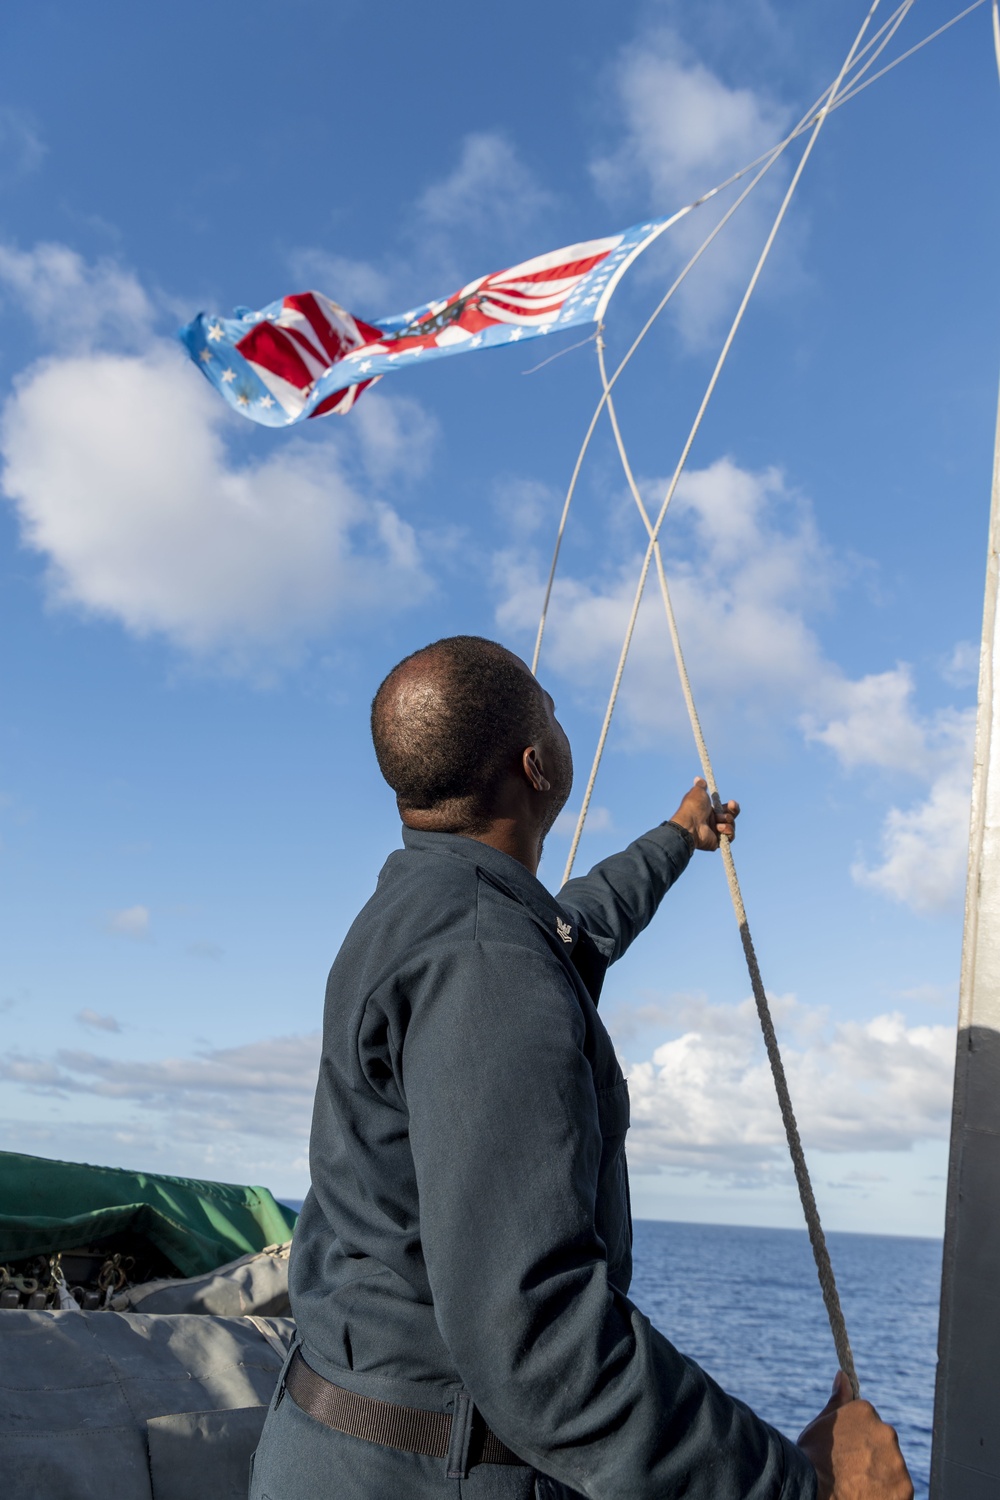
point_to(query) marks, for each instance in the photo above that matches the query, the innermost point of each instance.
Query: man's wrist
(688, 835)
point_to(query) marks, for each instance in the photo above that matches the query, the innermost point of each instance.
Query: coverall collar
(504, 868)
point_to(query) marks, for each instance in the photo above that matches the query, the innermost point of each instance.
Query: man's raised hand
(705, 822)
(855, 1454)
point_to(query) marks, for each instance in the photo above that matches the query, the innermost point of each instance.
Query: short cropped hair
(449, 733)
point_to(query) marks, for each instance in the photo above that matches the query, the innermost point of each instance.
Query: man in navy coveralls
(460, 1270)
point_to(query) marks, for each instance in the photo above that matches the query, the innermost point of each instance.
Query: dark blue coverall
(468, 1225)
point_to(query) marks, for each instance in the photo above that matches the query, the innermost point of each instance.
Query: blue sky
(195, 611)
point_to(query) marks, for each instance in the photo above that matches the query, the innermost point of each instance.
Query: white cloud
(120, 476)
(872, 721)
(961, 668)
(524, 504)
(395, 436)
(705, 1098)
(355, 284)
(929, 994)
(95, 1022)
(259, 1088)
(490, 197)
(73, 303)
(130, 921)
(745, 565)
(490, 190)
(21, 147)
(115, 458)
(747, 569)
(239, 1114)
(924, 848)
(684, 130)
(876, 724)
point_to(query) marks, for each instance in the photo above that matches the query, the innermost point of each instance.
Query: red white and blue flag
(305, 356)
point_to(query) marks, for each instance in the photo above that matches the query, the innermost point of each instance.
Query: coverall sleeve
(619, 897)
(505, 1130)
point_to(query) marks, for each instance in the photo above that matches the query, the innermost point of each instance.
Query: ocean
(746, 1304)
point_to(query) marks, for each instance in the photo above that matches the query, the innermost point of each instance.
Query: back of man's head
(450, 721)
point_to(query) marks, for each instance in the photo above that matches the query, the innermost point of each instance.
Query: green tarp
(47, 1206)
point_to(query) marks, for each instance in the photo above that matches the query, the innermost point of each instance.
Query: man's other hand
(706, 823)
(855, 1454)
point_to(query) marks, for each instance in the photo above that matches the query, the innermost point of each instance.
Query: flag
(306, 356)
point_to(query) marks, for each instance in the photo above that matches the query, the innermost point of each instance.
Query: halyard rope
(695, 426)
(817, 1239)
(876, 46)
(816, 1236)
(831, 100)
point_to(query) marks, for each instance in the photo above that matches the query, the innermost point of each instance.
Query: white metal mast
(966, 1455)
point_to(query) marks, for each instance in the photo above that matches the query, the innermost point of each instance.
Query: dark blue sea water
(745, 1303)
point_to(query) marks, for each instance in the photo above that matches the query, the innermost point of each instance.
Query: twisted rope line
(765, 161)
(817, 1239)
(696, 424)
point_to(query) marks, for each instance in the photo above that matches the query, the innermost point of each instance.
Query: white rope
(810, 1211)
(600, 405)
(678, 471)
(996, 34)
(768, 159)
(807, 1197)
(853, 92)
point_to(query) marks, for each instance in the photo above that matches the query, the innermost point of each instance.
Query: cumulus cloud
(489, 190)
(116, 461)
(95, 1022)
(923, 847)
(684, 129)
(872, 721)
(746, 566)
(748, 573)
(75, 303)
(130, 921)
(705, 1097)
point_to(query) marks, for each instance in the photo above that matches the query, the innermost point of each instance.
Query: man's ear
(532, 763)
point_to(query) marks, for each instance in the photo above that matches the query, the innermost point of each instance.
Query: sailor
(461, 1266)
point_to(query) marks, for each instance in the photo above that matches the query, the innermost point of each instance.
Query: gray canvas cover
(140, 1406)
(253, 1284)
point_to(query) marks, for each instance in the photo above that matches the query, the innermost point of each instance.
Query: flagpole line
(800, 1167)
(559, 353)
(768, 160)
(689, 443)
(769, 157)
(600, 405)
(853, 91)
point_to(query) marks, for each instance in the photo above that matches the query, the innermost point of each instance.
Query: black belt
(405, 1427)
